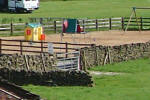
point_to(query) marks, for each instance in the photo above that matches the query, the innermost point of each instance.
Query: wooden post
(109, 55)
(21, 49)
(26, 23)
(11, 28)
(41, 46)
(55, 29)
(0, 46)
(141, 23)
(66, 49)
(41, 20)
(96, 22)
(27, 63)
(95, 55)
(43, 62)
(85, 62)
(110, 24)
(122, 20)
(83, 24)
(79, 61)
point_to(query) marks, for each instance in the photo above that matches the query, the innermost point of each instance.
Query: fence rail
(55, 24)
(24, 47)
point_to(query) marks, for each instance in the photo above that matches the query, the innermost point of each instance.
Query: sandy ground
(99, 38)
(109, 37)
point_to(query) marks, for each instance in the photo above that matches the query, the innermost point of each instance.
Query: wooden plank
(116, 22)
(58, 26)
(18, 31)
(19, 24)
(31, 51)
(5, 29)
(90, 27)
(119, 18)
(101, 23)
(90, 20)
(13, 45)
(48, 25)
(46, 29)
(58, 22)
(105, 19)
(89, 24)
(103, 26)
(116, 26)
(4, 24)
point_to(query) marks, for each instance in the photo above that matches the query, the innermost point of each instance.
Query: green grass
(132, 66)
(85, 9)
(132, 85)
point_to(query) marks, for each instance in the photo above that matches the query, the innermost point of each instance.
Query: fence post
(41, 46)
(83, 24)
(41, 20)
(26, 24)
(141, 23)
(66, 44)
(96, 22)
(21, 49)
(110, 24)
(0, 46)
(122, 21)
(11, 28)
(55, 27)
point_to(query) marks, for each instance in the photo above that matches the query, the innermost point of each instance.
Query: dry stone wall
(43, 62)
(51, 78)
(101, 55)
(40, 70)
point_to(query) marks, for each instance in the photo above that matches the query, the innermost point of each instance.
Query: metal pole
(137, 19)
(129, 20)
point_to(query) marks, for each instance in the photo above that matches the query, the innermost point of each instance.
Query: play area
(99, 38)
(104, 37)
(71, 34)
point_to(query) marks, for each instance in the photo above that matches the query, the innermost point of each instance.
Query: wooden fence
(54, 25)
(141, 23)
(26, 47)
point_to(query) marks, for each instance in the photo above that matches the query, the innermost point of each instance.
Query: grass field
(133, 84)
(85, 9)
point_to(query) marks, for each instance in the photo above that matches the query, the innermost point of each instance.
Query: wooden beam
(142, 8)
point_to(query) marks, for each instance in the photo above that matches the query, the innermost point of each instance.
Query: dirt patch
(99, 38)
(104, 73)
